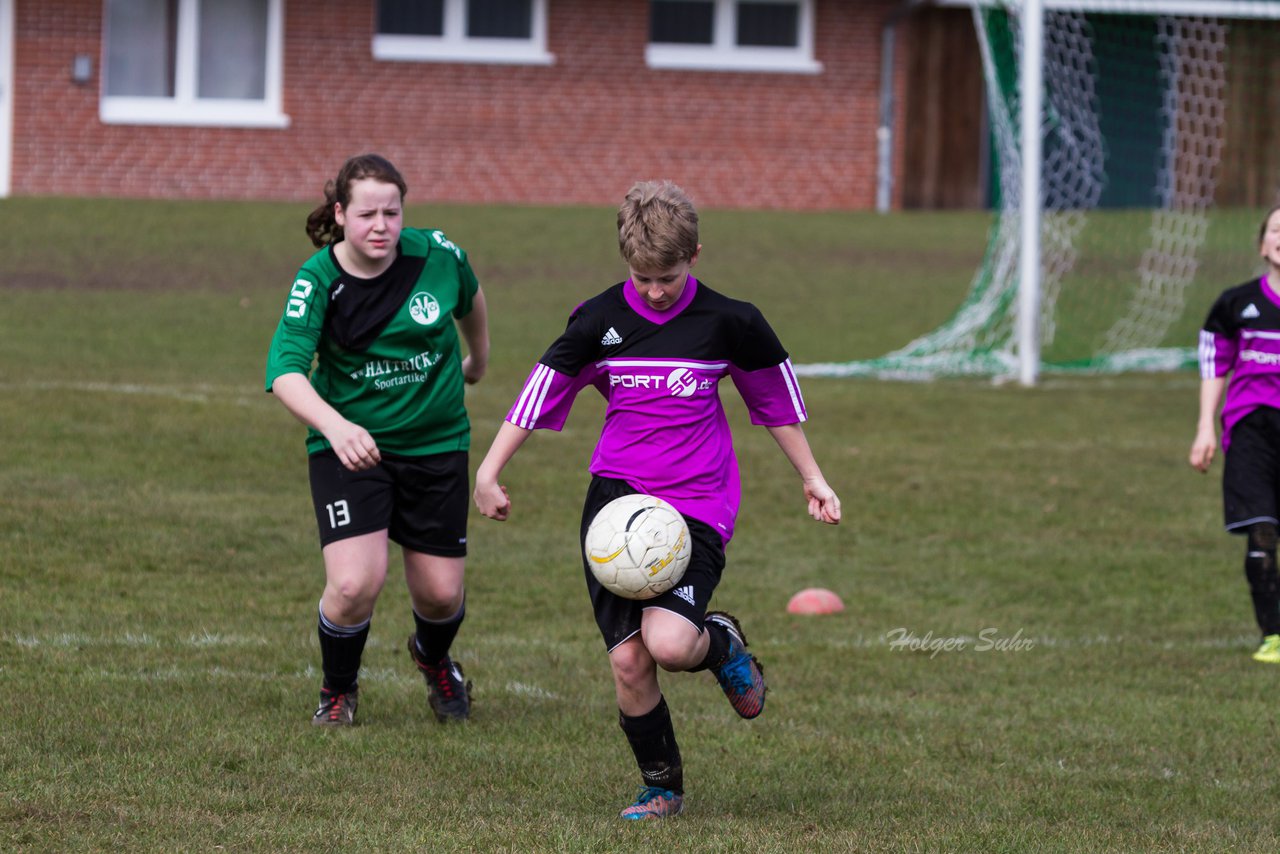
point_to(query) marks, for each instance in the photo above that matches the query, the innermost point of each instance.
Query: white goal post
(1030, 78)
(1133, 147)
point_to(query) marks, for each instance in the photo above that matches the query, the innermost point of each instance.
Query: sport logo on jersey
(681, 382)
(423, 308)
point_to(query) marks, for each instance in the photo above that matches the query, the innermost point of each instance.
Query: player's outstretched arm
(824, 504)
(1205, 443)
(490, 496)
(475, 331)
(352, 443)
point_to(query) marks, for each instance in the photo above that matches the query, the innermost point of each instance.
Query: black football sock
(1264, 582)
(341, 648)
(436, 636)
(653, 741)
(717, 649)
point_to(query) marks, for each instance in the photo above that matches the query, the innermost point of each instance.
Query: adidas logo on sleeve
(611, 337)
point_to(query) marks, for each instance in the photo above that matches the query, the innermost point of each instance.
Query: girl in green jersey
(374, 311)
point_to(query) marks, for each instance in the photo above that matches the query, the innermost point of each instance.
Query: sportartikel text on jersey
(665, 431)
(1241, 336)
(386, 351)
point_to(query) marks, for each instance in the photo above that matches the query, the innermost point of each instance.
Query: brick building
(751, 104)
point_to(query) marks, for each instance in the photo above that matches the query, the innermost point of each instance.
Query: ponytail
(322, 225)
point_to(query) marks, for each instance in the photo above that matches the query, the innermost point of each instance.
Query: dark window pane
(768, 24)
(233, 49)
(681, 21)
(140, 47)
(500, 19)
(411, 17)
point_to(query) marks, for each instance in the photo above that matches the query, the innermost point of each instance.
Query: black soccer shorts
(619, 618)
(422, 502)
(1251, 474)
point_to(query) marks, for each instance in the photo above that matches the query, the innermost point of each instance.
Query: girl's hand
(472, 370)
(354, 446)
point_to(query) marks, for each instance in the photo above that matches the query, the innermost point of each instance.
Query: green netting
(1159, 160)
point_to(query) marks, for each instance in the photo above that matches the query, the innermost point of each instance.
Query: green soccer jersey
(385, 350)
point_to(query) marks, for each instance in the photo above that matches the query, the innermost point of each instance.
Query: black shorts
(421, 502)
(619, 618)
(1251, 474)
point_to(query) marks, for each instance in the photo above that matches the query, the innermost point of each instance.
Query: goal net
(1160, 154)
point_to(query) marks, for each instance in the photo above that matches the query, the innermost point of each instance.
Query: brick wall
(578, 131)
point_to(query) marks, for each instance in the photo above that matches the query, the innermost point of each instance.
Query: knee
(631, 664)
(1262, 536)
(436, 584)
(672, 653)
(438, 598)
(1260, 558)
(350, 596)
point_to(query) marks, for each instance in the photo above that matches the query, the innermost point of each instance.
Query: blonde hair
(657, 226)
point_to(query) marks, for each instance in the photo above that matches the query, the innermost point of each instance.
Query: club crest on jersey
(423, 308)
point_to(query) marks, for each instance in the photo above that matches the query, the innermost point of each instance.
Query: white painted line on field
(206, 640)
(198, 393)
(895, 639)
(522, 690)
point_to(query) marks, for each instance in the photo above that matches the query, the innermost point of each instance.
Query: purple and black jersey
(665, 430)
(1241, 337)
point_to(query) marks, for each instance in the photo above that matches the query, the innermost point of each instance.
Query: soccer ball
(638, 546)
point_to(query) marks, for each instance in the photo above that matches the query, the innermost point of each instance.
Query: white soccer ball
(638, 546)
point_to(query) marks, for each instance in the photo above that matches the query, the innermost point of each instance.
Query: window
(732, 35)
(505, 31)
(193, 62)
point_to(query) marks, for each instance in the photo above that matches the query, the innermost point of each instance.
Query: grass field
(1080, 678)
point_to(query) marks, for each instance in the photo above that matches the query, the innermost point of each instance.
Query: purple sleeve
(772, 394)
(547, 397)
(1217, 354)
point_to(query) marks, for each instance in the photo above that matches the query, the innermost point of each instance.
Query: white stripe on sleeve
(793, 388)
(527, 408)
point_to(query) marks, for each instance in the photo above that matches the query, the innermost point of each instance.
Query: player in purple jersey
(657, 346)
(1240, 354)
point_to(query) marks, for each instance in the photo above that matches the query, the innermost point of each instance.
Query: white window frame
(185, 108)
(6, 97)
(724, 54)
(455, 46)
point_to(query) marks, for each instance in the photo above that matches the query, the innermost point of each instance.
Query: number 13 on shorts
(339, 514)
